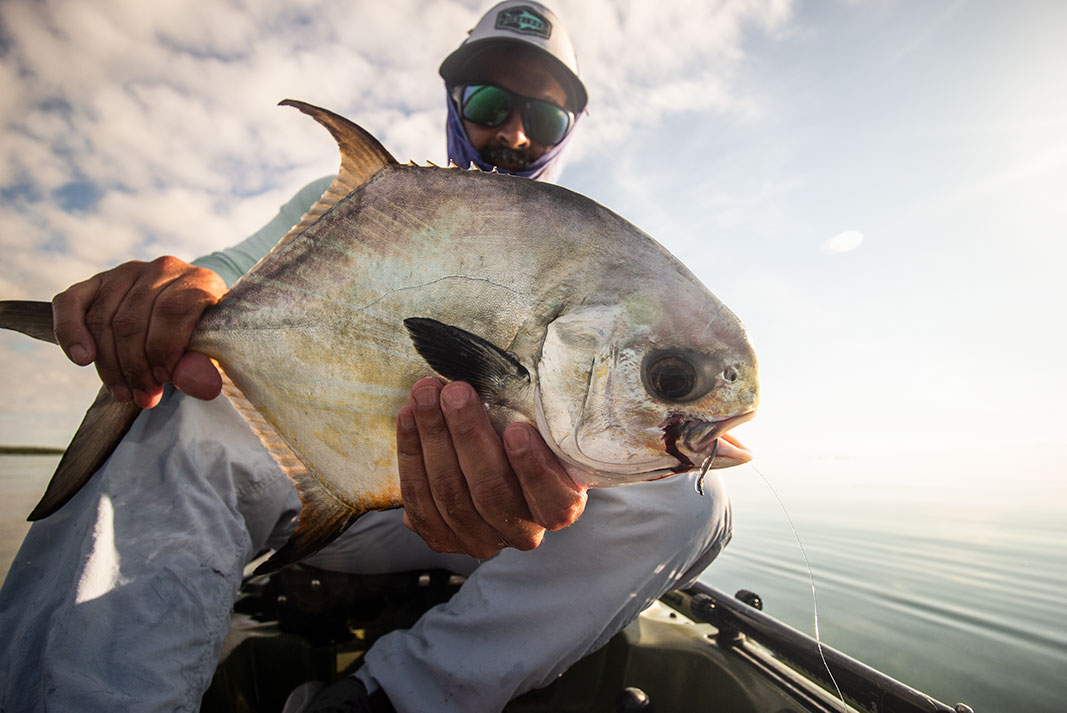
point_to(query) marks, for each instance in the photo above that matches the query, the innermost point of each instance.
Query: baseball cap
(521, 22)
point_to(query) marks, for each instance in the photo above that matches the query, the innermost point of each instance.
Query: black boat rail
(863, 687)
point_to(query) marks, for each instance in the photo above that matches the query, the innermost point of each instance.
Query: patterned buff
(547, 168)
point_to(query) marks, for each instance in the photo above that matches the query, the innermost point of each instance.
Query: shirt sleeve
(238, 259)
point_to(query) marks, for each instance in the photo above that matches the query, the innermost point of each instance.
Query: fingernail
(455, 397)
(79, 354)
(517, 440)
(120, 394)
(406, 420)
(425, 396)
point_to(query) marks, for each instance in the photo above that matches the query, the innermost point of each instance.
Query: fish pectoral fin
(459, 355)
(105, 424)
(31, 318)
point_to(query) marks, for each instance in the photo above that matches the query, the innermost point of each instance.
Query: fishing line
(811, 578)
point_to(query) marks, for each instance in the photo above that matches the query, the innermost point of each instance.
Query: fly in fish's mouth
(699, 439)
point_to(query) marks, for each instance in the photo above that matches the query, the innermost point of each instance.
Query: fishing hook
(706, 466)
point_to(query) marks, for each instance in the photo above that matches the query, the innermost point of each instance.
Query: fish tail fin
(101, 429)
(323, 514)
(31, 318)
(105, 424)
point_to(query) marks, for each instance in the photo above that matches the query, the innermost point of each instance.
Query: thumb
(196, 375)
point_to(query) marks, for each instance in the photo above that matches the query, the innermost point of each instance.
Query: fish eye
(671, 377)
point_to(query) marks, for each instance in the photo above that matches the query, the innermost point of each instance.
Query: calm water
(952, 578)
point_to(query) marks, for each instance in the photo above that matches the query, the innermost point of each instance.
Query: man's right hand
(134, 322)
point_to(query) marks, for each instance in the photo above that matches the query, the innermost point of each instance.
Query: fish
(559, 312)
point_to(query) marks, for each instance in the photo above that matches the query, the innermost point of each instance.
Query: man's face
(524, 73)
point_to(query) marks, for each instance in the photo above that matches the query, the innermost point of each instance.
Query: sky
(875, 187)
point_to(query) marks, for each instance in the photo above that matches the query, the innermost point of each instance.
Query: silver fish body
(557, 310)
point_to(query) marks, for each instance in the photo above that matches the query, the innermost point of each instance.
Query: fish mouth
(698, 438)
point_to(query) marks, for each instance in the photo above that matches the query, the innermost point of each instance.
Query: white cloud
(843, 242)
(163, 115)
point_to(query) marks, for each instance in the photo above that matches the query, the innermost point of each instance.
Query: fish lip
(701, 436)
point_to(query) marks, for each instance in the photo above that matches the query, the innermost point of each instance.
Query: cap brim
(451, 69)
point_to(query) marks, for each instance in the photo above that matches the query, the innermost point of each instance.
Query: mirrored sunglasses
(489, 105)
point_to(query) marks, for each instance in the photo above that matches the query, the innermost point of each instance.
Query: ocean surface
(947, 573)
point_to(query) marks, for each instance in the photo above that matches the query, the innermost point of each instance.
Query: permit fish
(556, 310)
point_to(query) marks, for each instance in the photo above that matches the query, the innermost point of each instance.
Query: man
(121, 599)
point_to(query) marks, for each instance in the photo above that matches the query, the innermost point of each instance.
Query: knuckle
(175, 305)
(126, 324)
(566, 513)
(166, 264)
(409, 454)
(61, 299)
(96, 320)
(416, 519)
(493, 493)
(441, 546)
(464, 425)
(527, 540)
(480, 550)
(451, 496)
(157, 354)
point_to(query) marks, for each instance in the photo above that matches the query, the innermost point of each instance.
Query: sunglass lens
(486, 105)
(547, 123)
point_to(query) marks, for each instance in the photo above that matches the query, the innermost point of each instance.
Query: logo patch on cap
(525, 21)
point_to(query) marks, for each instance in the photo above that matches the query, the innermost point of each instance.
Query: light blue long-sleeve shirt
(232, 262)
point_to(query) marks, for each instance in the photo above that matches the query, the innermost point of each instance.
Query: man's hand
(467, 490)
(135, 321)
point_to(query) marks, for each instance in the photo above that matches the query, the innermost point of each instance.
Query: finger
(493, 487)
(555, 501)
(446, 480)
(420, 510)
(175, 313)
(155, 320)
(130, 328)
(100, 319)
(196, 375)
(68, 320)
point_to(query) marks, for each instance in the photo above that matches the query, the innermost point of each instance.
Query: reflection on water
(22, 481)
(949, 576)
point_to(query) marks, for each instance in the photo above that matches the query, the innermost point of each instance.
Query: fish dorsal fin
(323, 515)
(362, 156)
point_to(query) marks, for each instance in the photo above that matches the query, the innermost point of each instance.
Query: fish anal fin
(31, 318)
(459, 355)
(324, 515)
(105, 424)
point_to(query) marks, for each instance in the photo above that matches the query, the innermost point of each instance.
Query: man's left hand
(468, 490)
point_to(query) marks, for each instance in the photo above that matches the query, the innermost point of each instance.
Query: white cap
(526, 23)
